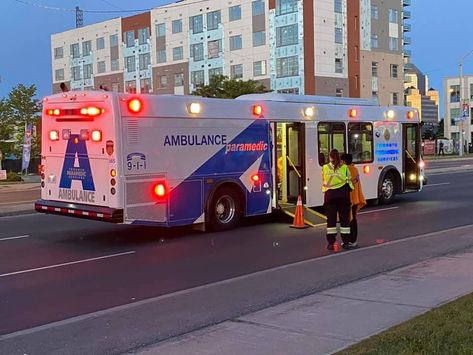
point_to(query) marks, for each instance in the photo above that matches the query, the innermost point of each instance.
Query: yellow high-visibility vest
(334, 179)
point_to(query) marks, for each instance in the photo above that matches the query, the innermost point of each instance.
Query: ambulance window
(360, 142)
(330, 136)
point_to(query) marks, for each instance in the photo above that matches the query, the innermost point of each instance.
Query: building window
(338, 6)
(162, 81)
(286, 35)
(129, 39)
(59, 74)
(374, 69)
(360, 142)
(454, 113)
(101, 68)
(454, 93)
(235, 42)
(289, 91)
(236, 71)
(394, 68)
(374, 95)
(214, 48)
(76, 73)
(131, 86)
(215, 71)
(114, 64)
(58, 53)
(196, 24)
(130, 64)
(374, 12)
(176, 26)
(177, 53)
(259, 38)
(197, 78)
(88, 71)
(75, 52)
(393, 43)
(338, 35)
(145, 85)
(338, 65)
(285, 6)
(234, 13)
(86, 48)
(393, 16)
(113, 40)
(178, 79)
(258, 8)
(161, 56)
(100, 43)
(338, 92)
(374, 41)
(197, 52)
(394, 98)
(213, 20)
(145, 61)
(471, 93)
(259, 68)
(288, 66)
(143, 35)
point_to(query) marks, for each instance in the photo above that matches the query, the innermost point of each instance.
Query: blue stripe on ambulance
(187, 200)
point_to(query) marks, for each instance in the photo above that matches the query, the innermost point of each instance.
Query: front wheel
(387, 190)
(224, 209)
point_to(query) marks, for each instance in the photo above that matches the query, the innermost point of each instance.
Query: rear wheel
(387, 190)
(224, 209)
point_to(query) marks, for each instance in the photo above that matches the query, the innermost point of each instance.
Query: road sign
(3, 174)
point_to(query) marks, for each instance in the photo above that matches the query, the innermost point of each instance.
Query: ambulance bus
(180, 160)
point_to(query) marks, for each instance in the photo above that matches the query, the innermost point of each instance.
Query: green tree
(6, 127)
(440, 131)
(222, 87)
(24, 110)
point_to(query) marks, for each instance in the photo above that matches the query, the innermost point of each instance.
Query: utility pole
(463, 100)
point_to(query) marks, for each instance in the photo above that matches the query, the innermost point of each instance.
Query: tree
(6, 127)
(222, 87)
(24, 110)
(440, 131)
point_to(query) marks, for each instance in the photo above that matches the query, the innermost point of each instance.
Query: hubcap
(225, 209)
(388, 189)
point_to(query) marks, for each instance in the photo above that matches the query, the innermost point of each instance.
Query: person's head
(334, 157)
(347, 158)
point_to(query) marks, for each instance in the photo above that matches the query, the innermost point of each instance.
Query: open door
(290, 162)
(411, 155)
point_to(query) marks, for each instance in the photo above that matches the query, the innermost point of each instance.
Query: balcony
(406, 27)
(406, 15)
(406, 2)
(406, 40)
(407, 53)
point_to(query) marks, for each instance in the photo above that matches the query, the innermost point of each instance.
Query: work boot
(330, 247)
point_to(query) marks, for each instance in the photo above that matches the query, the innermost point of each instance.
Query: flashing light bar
(89, 111)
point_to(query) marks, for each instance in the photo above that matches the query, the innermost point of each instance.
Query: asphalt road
(448, 163)
(53, 268)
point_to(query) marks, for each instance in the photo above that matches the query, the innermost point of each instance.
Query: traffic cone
(299, 215)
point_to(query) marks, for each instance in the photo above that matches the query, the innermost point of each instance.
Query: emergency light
(410, 115)
(135, 105)
(353, 113)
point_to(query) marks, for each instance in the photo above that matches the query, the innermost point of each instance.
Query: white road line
(439, 184)
(218, 283)
(66, 264)
(379, 210)
(17, 237)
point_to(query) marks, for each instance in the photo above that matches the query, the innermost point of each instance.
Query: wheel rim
(225, 209)
(388, 189)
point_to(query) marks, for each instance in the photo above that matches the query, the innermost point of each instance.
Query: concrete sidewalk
(333, 319)
(18, 198)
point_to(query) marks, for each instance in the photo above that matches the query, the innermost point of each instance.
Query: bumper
(81, 211)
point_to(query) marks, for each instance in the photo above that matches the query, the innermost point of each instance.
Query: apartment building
(324, 47)
(458, 112)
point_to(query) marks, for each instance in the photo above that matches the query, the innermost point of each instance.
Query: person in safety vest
(356, 197)
(336, 186)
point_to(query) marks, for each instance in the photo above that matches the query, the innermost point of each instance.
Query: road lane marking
(379, 210)
(67, 264)
(146, 301)
(17, 237)
(439, 184)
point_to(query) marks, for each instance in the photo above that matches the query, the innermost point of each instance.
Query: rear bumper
(81, 211)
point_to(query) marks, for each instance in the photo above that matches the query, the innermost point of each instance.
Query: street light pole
(462, 121)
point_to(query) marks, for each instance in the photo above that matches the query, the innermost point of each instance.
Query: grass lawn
(444, 330)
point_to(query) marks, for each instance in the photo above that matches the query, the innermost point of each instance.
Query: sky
(441, 35)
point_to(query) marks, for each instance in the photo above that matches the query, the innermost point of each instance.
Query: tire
(387, 190)
(224, 209)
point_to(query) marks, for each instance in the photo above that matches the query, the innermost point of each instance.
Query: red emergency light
(160, 190)
(135, 105)
(258, 110)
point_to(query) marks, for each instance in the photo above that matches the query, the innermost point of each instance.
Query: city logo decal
(83, 173)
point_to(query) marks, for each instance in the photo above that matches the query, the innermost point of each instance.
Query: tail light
(96, 135)
(160, 190)
(256, 178)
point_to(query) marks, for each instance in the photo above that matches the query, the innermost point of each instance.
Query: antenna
(79, 17)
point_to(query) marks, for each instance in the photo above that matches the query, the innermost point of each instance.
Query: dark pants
(354, 224)
(338, 202)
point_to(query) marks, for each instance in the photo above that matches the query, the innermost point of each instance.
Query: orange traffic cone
(299, 216)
